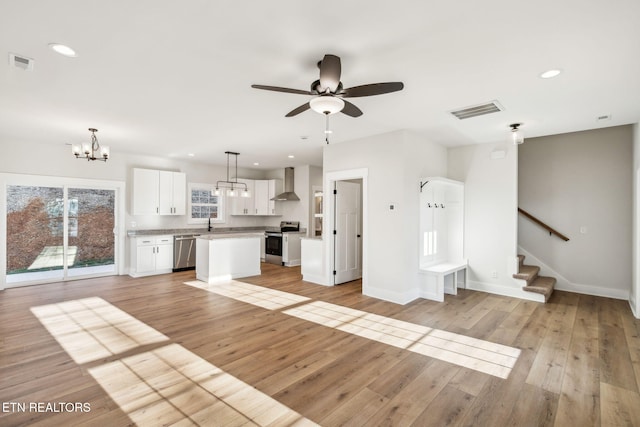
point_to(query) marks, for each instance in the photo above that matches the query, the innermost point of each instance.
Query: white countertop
(216, 236)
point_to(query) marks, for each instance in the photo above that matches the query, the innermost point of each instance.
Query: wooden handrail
(543, 225)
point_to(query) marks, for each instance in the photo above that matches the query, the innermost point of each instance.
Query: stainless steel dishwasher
(184, 252)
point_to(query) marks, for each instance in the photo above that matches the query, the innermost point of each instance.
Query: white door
(347, 263)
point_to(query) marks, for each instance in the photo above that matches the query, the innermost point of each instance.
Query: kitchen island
(225, 256)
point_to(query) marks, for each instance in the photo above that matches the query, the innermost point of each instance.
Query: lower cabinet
(291, 251)
(151, 255)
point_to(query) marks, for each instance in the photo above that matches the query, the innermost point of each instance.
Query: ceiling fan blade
(330, 70)
(372, 89)
(300, 109)
(351, 110)
(282, 89)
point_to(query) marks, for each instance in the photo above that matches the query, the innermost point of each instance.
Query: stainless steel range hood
(288, 194)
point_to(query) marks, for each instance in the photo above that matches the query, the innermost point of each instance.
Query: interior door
(347, 264)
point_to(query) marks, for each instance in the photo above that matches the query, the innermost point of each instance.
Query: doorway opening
(347, 226)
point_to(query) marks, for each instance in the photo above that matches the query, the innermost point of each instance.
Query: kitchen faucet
(209, 229)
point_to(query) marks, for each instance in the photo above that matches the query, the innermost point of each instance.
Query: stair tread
(527, 272)
(520, 260)
(542, 285)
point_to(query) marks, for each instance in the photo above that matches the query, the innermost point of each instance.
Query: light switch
(583, 229)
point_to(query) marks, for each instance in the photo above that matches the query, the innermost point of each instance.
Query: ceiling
(171, 78)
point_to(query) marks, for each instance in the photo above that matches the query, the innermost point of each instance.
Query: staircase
(538, 284)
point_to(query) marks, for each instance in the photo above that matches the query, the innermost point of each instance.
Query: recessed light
(63, 49)
(256, 164)
(191, 155)
(291, 156)
(550, 73)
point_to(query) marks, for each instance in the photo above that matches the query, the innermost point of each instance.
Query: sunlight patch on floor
(260, 296)
(53, 256)
(484, 356)
(91, 329)
(167, 385)
(172, 385)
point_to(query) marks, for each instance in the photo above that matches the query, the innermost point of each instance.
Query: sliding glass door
(91, 239)
(35, 233)
(58, 232)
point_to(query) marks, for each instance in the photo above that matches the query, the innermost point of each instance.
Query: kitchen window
(203, 205)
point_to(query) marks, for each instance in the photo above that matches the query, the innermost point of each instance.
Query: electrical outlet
(494, 274)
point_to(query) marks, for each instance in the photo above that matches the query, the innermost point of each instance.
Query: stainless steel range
(273, 241)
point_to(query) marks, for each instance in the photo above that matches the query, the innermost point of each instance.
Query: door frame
(65, 182)
(329, 251)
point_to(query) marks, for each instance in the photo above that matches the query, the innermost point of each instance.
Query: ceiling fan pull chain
(327, 131)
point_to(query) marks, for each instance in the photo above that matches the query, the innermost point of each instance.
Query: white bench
(443, 278)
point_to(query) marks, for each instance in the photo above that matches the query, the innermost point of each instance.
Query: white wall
(634, 298)
(581, 180)
(395, 163)
(490, 225)
(297, 210)
(56, 160)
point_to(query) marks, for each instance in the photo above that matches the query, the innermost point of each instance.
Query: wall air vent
(478, 110)
(21, 61)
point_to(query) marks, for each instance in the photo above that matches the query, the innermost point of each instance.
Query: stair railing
(543, 225)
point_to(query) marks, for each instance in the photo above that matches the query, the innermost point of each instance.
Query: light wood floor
(579, 363)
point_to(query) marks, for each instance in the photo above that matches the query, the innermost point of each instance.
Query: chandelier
(232, 186)
(91, 150)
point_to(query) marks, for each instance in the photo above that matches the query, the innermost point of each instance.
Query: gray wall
(574, 181)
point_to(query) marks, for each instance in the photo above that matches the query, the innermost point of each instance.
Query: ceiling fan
(329, 92)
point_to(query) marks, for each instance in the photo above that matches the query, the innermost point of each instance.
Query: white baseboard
(391, 296)
(564, 284)
(508, 291)
(633, 309)
(318, 280)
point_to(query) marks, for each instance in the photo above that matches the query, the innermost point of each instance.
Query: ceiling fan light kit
(328, 92)
(326, 104)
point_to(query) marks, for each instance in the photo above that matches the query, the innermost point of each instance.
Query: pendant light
(92, 150)
(517, 135)
(233, 187)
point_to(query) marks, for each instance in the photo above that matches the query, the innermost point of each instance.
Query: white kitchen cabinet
(159, 192)
(146, 194)
(275, 188)
(243, 205)
(151, 255)
(173, 194)
(291, 248)
(260, 203)
(262, 197)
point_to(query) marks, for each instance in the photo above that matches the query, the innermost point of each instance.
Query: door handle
(358, 236)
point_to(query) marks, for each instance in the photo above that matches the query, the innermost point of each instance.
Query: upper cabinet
(173, 196)
(243, 205)
(260, 203)
(159, 192)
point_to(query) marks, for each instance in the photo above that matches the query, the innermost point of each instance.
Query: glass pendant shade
(326, 104)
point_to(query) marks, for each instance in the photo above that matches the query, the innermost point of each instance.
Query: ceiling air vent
(21, 62)
(478, 110)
